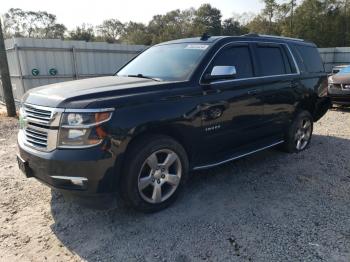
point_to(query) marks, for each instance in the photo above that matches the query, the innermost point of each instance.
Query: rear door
(279, 77)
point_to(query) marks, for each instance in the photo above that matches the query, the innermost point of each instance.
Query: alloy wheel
(303, 134)
(159, 176)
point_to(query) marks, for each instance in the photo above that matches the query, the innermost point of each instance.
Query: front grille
(37, 138)
(37, 115)
(338, 86)
(41, 126)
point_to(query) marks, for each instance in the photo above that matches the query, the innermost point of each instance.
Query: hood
(59, 94)
(340, 79)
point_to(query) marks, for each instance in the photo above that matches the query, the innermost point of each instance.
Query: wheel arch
(316, 106)
(172, 131)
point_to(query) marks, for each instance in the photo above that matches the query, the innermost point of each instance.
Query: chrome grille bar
(36, 142)
(39, 138)
(37, 115)
(36, 132)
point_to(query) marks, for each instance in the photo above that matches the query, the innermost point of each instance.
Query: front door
(232, 109)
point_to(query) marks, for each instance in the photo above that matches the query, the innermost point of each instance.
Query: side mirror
(222, 72)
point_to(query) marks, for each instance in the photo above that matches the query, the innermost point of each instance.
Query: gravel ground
(270, 206)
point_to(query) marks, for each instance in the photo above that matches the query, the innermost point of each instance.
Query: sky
(75, 12)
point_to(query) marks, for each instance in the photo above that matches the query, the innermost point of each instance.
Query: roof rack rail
(274, 36)
(251, 35)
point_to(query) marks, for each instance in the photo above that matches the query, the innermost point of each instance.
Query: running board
(237, 157)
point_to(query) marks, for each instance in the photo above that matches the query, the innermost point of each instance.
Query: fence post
(75, 65)
(20, 69)
(5, 78)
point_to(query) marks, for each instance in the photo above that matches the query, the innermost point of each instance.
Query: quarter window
(271, 60)
(238, 56)
(311, 59)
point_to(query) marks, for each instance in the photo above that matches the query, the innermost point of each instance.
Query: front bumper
(80, 172)
(339, 96)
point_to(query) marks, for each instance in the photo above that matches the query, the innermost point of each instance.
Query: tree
(56, 31)
(111, 30)
(270, 8)
(173, 25)
(244, 18)
(325, 22)
(259, 25)
(84, 32)
(292, 6)
(40, 24)
(346, 26)
(136, 33)
(233, 27)
(14, 22)
(207, 19)
(319, 21)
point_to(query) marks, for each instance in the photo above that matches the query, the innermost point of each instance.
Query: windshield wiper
(147, 77)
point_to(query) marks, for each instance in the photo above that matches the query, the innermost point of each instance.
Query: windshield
(345, 70)
(173, 62)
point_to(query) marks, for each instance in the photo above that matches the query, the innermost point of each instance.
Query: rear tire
(155, 171)
(299, 135)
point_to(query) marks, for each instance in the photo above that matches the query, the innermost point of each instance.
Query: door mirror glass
(222, 72)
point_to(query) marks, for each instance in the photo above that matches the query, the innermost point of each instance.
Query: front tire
(155, 171)
(299, 135)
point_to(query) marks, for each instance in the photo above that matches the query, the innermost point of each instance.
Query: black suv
(182, 105)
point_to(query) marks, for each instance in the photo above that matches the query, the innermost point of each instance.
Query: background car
(336, 69)
(339, 87)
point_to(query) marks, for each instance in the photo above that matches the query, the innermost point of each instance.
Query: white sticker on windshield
(198, 47)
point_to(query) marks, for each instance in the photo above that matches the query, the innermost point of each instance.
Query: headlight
(21, 118)
(330, 80)
(83, 129)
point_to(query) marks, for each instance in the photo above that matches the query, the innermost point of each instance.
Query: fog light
(78, 181)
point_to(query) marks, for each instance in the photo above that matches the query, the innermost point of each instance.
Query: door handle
(293, 84)
(204, 107)
(254, 92)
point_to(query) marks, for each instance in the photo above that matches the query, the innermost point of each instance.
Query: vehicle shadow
(247, 209)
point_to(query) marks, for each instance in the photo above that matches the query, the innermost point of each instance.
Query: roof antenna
(205, 36)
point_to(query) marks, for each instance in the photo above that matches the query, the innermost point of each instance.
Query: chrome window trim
(248, 78)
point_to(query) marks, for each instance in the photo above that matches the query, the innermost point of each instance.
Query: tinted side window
(238, 56)
(290, 67)
(271, 60)
(311, 58)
